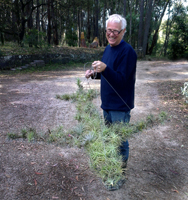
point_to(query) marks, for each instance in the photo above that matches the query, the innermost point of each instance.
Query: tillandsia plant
(184, 91)
(100, 141)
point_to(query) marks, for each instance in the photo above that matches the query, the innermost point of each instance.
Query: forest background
(41, 23)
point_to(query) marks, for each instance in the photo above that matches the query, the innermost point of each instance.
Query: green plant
(24, 133)
(80, 86)
(13, 136)
(29, 134)
(71, 38)
(65, 97)
(35, 37)
(162, 116)
(184, 91)
(100, 141)
(56, 134)
(1, 53)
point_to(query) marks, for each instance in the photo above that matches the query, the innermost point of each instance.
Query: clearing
(158, 163)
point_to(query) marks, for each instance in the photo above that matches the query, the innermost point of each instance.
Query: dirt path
(158, 164)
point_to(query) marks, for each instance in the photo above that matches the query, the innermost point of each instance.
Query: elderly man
(117, 71)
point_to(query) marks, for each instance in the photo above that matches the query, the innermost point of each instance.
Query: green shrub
(184, 91)
(71, 38)
(35, 37)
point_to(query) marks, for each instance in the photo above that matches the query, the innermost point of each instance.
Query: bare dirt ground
(158, 163)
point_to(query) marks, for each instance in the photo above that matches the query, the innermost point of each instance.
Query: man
(117, 71)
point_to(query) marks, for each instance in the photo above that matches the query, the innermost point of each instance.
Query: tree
(178, 42)
(49, 22)
(155, 36)
(63, 21)
(141, 19)
(147, 25)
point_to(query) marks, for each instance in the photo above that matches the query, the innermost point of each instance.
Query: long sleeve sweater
(118, 79)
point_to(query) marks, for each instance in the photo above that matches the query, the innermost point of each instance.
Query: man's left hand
(98, 66)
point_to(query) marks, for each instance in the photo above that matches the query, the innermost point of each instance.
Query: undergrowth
(101, 142)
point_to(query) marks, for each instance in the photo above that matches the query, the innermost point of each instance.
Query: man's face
(114, 38)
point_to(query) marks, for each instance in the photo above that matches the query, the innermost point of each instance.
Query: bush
(176, 50)
(35, 37)
(184, 91)
(71, 38)
(186, 55)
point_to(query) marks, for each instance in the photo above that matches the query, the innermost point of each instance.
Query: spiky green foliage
(102, 142)
(29, 134)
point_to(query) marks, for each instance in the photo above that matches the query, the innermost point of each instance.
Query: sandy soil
(158, 163)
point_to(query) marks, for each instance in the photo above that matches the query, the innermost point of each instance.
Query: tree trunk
(22, 31)
(15, 20)
(88, 23)
(141, 19)
(30, 19)
(104, 25)
(124, 8)
(79, 28)
(94, 24)
(49, 23)
(155, 36)
(37, 17)
(22, 24)
(124, 14)
(42, 18)
(96, 19)
(2, 39)
(130, 25)
(147, 26)
(168, 28)
(54, 24)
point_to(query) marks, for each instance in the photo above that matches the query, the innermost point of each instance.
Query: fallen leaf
(8, 176)
(77, 178)
(91, 180)
(35, 182)
(72, 189)
(38, 173)
(174, 190)
(76, 168)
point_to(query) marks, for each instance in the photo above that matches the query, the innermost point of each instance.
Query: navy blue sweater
(118, 79)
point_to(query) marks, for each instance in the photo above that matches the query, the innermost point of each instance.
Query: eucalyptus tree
(148, 18)
(5, 19)
(159, 14)
(23, 10)
(178, 40)
(141, 24)
(167, 27)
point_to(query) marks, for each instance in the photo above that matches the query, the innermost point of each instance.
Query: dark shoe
(124, 164)
(124, 168)
(115, 186)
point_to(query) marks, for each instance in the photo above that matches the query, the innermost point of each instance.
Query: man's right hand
(89, 73)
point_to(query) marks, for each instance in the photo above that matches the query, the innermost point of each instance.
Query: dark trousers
(119, 116)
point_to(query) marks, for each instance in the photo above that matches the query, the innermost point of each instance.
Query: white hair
(117, 18)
